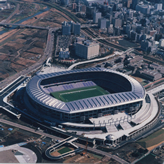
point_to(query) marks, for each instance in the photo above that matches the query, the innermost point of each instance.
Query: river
(24, 19)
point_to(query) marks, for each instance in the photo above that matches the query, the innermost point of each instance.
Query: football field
(79, 93)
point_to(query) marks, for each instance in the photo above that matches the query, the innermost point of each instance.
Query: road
(24, 25)
(104, 58)
(103, 153)
(59, 138)
(12, 14)
(90, 61)
(6, 91)
(111, 44)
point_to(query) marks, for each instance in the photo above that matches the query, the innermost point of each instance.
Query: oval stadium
(97, 103)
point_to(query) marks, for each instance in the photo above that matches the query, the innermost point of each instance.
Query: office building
(96, 16)
(102, 23)
(76, 29)
(87, 49)
(66, 28)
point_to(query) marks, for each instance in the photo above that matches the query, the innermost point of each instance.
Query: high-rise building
(161, 43)
(134, 3)
(74, 5)
(102, 23)
(70, 27)
(76, 28)
(144, 9)
(90, 11)
(83, 8)
(118, 22)
(158, 6)
(107, 23)
(66, 28)
(64, 2)
(129, 3)
(96, 16)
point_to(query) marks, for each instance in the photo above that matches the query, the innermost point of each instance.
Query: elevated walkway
(143, 113)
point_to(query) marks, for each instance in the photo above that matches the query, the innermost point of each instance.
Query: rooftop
(35, 91)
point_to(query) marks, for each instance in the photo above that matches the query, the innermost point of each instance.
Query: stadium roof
(36, 93)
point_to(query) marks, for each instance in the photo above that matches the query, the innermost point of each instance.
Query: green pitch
(79, 93)
(64, 150)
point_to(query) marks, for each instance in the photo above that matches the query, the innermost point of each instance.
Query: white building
(64, 54)
(161, 43)
(144, 9)
(96, 16)
(158, 6)
(87, 49)
(102, 23)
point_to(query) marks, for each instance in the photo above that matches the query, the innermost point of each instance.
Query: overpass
(23, 25)
(100, 59)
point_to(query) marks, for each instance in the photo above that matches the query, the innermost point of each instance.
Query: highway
(6, 91)
(90, 61)
(59, 138)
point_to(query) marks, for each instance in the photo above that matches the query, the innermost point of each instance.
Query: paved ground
(28, 156)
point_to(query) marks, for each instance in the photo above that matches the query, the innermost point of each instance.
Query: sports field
(61, 150)
(64, 150)
(79, 93)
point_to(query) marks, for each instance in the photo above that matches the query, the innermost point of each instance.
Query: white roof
(37, 94)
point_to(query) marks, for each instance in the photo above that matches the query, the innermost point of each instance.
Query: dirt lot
(14, 136)
(22, 51)
(20, 48)
(52, 18)
(5, 13)
(89, 158)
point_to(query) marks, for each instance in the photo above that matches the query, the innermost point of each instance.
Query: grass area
(153, 139)
(97, 156)
(148, 160)
(64, 150)
(79, 93)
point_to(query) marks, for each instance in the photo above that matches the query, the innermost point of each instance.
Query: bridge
(23, 25)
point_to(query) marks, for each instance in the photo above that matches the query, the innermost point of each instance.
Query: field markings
(78, 91)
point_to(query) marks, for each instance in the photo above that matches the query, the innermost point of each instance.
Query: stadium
(95, 100)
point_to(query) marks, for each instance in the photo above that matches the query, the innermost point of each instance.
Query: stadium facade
(95, 102)
(124, 94)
